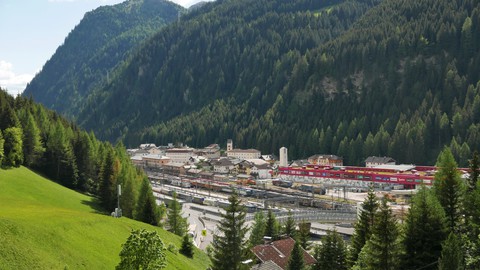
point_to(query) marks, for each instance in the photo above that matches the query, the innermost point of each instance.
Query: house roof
(326, 157)
(279, 252)
(223, 162)
(244, 151)
(381, 160)
(268, 265)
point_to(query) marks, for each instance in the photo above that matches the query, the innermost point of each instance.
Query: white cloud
(13, 83)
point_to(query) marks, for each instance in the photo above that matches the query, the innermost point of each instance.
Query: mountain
(47, 226)
(238, 52)
(94, 48)
(354, 78)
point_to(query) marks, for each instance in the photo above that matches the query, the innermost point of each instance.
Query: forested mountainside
(236, 53)
(101, 42)
(354, 78)
(40, 139)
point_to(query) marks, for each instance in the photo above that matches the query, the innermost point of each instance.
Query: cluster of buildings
(212, 162)
(205, 162)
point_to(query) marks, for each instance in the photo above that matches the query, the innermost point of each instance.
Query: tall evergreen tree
(331, 254)
(289, 226)
(2, 153)
(296, 261)
(272, 226)
(32, 145)
(363, 226)
(452, 253)
(424, 231)
(384, 252)
(147, 209)
(474, 165)
(258, 229)
(449, 188)
(229, 245)
(177, 224)
(13, 147)
(108, 178)
(187, 246)
(303, 234)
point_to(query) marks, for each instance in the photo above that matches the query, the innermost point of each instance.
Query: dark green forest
(42, 140)
(354, 78)
(101, 42)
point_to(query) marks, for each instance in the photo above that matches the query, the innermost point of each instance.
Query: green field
(46, 226)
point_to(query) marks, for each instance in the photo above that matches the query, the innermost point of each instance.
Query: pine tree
(13, 147)
(258, 229)
(177, 224)
(289, 226)
(331, 254)
(424, 232)
(363, 226)
(449, 188)
(452, 255)
(187, 246)
(474, 165)
(229, 245)
(272, 226)
(296, 261)
(303, 235)
(108, 184)
(384, 249)
(2, 153)
(32, 146)
(147, 209)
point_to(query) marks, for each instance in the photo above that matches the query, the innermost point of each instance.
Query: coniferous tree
(303, 235)
(129, 195)
(229, 245)
(424, 231)
(363, 226)
(452, 253)
(108, 178)
(471, 242)
(32, 146)
(296, 261)
(449, 188)
(384, 251)
(187, 246)
(289, 226)
(258, 229)
(2, 153)
(147, 209)
(177, 224)
(13, 147)
(474, 166)
(331, 254)
(271, 226)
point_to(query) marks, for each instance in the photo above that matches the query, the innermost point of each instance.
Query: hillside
(235, 52)
(46, 226)
(101, 42)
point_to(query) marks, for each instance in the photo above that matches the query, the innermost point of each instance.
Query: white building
(283, 157)
(244, 153)
(179, 155)
(375, 161)
(261, 171)
(223, 166)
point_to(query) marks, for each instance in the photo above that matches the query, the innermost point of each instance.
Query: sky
(31, 31)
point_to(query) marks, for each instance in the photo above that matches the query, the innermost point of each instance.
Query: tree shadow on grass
(94, 204)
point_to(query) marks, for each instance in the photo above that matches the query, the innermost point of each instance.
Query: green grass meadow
(46, 226)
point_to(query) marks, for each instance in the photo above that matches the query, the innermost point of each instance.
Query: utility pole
(118, 212)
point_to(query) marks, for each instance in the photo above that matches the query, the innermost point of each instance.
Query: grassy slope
(46, 226)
